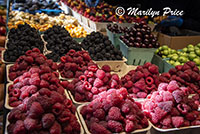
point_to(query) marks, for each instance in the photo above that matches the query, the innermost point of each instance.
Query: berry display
(73, 64)
(170, 107)
(37, 79)
(113, 112)
(187, 75)
(100, 47)
(59, 42)
(20, 40)
(142, 81)
(46, 112)
(115, 28)
(139, 36)
(31, 58)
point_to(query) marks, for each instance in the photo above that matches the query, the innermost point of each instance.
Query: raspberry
(57, 108)
(129, 126)
(122, 91)
(99, 113)
(48, 120)
(178, 68)
(80, 88)
(88, 96)
(151, 87)
(153, 69)
(30, 124)
(178, 95)
(44, 84)
(64, 116)
(159, 113)
(115, 126)
(113, 84)
(101, 89)
(12, 75)
(35, 81)
(135, 90)
(177, 121)
(175, 112)
(35, 110)
(185, 67)
(91, 80)
(16, 92)
(140, 84)
(167, 105)
(138, 75)
(87, 85)
(166, 121)
(149, 80)
(183, 108)
(94, 90)
(55, 128)
(141, 95)
(100, 74)
(125, 108)
(45, 91)
(191, 116)
(162, 87)
(104, 124)
(96, 128)
(172, 86)
(128, 84)
(106, 68)
(68, 103)
(98, 83)
(56, 97)
(167, 96)
(79, 97)
(115, 77)
(114, 114)
(68, 129)
(24, 94)
(19, 127)
(83, 78)
(93, 68)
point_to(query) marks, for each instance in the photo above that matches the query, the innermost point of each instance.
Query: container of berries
(113, 112)
(113, 33)
(43, 114)
(171, 110)
(102, 51)
(7, 72)
(20, 40)
(138, 44)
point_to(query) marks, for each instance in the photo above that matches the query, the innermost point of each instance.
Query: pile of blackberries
(59, 42)
(20, 40)
(100, 47)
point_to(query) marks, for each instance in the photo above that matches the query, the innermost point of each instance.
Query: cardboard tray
(7, 72)
(136, 56)
(115, 65)
(77, 15)
(140, 131)
(182, 130)
(76, 114)
(6, 104)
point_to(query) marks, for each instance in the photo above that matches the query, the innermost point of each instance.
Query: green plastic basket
(136, 56)
(114, 38)
(167, 66)
(78, 39)
(158, 61)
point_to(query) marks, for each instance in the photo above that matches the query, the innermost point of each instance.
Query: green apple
(190, 46)
(183, 54)
(192, 56)
(197, 61)
(173, 51)
(182, 59)
(165, 47)
(191, 49)
(170, 55)
(165, 52)
(171, 62)
(177, 63)
(185, 49)
(197, 51)
(198, 45)
(196, 48)
(175, 57)
(163, 56)
(157, 50)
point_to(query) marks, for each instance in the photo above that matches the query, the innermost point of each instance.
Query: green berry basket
(166, 65)
(78, 39)
(114, 38)
(136, 56)
(158, 61)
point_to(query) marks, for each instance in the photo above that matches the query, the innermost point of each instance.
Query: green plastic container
(158, 61)
(136, 56)
(78, 39)
(114, 38)
(167, 66)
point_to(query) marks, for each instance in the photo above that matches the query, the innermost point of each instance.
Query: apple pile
(139, 36)
(187, 75)
(46, 112)
(113, 112)
(32, 81)
(103, 12)
(93, 82)
(74, 63)
(31, 58)
(170, 107)
(189, 53)
(142, 81)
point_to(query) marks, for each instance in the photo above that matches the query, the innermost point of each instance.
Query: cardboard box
(179, 42)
